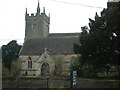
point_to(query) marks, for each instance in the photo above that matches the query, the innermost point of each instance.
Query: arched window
(29, 63)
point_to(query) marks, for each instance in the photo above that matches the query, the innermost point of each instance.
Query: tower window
(34, 26)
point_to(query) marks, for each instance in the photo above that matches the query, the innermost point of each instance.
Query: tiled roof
(54, 45)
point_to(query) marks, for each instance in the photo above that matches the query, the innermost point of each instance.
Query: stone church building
(45, 53)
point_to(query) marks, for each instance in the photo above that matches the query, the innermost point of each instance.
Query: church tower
(36, 26)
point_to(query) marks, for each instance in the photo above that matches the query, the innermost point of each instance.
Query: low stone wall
(24, 83)
(58, 83)
(92, 83)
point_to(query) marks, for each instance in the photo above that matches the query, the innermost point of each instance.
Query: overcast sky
(66, 16)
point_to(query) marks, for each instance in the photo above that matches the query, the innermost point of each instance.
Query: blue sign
(73, 77)
(74, 82)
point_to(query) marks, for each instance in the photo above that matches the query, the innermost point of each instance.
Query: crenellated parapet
(42, 16)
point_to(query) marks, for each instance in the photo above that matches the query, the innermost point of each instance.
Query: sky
(66, 16)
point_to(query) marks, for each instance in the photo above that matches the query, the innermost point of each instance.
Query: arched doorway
(45, 69)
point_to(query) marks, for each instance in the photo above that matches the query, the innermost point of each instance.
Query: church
(45, 53)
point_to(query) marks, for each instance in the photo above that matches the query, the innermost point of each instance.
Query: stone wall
(58, 83)
(59, 64)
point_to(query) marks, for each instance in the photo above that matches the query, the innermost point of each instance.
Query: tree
(76, 64)
(75, 61)
(10, 52)
(100, 45)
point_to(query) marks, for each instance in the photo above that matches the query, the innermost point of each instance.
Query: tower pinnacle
(26, 10)
(38, 4)
(43, 9)
(38, 9)
(26, 13)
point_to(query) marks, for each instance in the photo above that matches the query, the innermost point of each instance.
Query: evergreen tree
(100, 45)
(10, 52)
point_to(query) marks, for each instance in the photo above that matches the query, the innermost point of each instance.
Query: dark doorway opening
(45, 69)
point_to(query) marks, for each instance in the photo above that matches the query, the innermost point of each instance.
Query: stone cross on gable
(45, 49)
